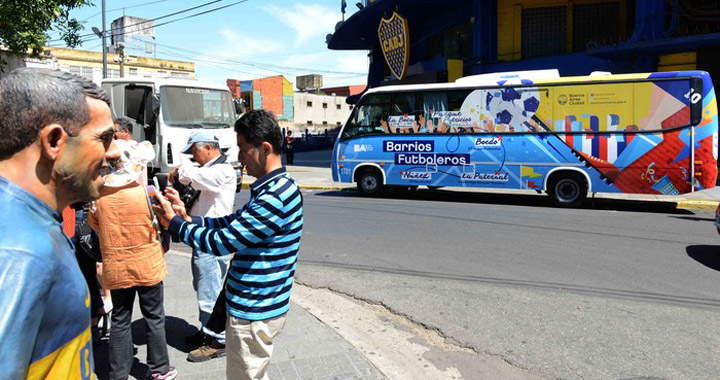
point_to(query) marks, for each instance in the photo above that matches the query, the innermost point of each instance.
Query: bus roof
(159, 82)
(488, 80)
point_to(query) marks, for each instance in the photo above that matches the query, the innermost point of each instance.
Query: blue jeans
(208, 273)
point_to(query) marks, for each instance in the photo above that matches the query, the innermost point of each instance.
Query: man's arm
(263, 218)
(207, 179)
(22, 305)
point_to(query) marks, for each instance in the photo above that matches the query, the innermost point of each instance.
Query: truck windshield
(191, 107)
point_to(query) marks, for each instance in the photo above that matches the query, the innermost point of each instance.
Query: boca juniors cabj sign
(393, 35)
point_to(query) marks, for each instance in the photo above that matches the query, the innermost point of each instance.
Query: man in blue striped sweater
(264, 235)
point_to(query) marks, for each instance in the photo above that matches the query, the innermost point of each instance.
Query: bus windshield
(190, 107)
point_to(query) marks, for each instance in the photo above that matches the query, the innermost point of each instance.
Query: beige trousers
(249, 346)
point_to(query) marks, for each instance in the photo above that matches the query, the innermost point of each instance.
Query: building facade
(274, 94)
(88, 64)
(318, 113)
(435, 41)
(136, 34)
(302, 112)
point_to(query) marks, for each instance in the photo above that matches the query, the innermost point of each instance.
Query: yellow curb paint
(698, 205)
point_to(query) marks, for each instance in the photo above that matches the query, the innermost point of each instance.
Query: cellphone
(152, 194)
(156, 183)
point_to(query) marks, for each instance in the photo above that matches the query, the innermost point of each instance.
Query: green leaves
(24, 24)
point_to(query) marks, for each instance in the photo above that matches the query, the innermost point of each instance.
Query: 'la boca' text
(421, 152)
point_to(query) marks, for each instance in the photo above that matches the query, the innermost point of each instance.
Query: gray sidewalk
(306, 349)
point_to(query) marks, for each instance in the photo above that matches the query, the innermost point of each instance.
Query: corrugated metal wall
(257, 100)
(288, 108)
(287, 100)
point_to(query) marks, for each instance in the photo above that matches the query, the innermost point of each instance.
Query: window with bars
(544, 31)
(453, 43)
(82, 71)
(595, 24)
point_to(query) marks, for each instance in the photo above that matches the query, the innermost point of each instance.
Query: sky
(253, 39)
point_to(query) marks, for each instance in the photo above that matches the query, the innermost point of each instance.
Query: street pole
(121, 52)
(104, 44)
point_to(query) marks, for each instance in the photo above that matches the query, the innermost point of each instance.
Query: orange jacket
(132, 254)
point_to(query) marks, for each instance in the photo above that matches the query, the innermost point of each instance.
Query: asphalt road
(617, 290)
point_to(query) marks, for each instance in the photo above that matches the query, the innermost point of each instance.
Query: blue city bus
(652, 133)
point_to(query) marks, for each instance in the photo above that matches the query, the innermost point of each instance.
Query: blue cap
(200, 135)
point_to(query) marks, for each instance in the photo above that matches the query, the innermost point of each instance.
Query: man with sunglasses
(123, 129)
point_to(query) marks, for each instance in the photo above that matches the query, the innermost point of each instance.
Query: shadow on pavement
(102, 362)
(180, 329)
(708, 255)
(517, 200)
(176, 329)
(694, 218)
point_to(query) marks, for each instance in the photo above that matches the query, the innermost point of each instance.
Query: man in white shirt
(216, 180)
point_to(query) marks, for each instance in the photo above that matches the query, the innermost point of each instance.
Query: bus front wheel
(567, 189)
(370, 182)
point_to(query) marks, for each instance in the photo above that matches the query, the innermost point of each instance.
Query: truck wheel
(567, 189)
(370, 182)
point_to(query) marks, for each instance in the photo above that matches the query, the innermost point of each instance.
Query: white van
(167, 110)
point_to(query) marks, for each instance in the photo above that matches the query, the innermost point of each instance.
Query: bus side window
(404, 105)
(441, 109)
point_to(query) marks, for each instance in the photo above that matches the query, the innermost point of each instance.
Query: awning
(659, 46)
(359, 31)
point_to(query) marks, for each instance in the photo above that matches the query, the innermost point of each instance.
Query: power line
(159, 18)
(171, 21)
(264, 66)
(122, 8)
(222, 63)
(188, 17)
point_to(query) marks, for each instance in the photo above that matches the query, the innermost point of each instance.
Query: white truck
(167, 110)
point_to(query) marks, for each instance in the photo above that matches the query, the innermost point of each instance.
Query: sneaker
(169, 375)
(211, 350)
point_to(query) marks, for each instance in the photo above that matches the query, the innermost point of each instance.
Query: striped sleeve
(223, 236)
(220, 222)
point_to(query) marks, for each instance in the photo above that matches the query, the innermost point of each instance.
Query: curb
(681, 204)
(246, 186)
(698, 205)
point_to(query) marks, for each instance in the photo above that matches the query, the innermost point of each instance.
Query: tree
(24, 24)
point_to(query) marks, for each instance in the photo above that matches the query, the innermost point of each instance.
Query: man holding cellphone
(216, 181)
(264, 237)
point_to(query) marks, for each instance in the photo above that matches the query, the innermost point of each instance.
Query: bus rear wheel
(370, 182)
(567, 189)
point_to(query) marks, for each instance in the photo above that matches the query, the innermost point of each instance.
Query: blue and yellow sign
(393, 35)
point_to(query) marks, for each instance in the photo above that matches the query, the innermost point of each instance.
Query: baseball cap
(134, 157)
(200, 135)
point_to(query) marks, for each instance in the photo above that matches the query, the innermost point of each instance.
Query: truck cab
(167, 110)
